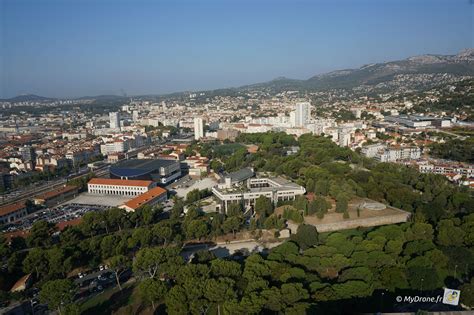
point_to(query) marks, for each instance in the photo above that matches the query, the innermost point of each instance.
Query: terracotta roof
(11, 208)
(120, 182)
(21, 282)
(144, 198)
(55, 193)
(19, 233)
(64, 224)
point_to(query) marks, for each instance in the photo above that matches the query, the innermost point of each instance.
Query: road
(38, 188)
(222, 250)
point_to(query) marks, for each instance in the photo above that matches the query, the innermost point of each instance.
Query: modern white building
(106, 186)
(447, 168)
(344, 137)
(198, 128)
(302, 114)
(372, 150)
(242, 187)
(135, 115)
(114, 118)
(395, 154)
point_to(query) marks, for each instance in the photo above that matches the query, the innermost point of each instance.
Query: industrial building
(55, 197)
(418, 121)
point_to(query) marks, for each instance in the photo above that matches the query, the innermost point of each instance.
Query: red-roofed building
(151, 198)
(122, 187)
(57, 196)
(12, 212)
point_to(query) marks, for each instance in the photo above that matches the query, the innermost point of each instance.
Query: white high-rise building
(302, 114)
(198, 128)
(114, 118)
(135, 115)
(293, 119)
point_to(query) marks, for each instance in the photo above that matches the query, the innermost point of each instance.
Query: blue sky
(74, 48)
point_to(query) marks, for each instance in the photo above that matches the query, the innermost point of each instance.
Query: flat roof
(138, 167)
(240, 175)
(120, 182)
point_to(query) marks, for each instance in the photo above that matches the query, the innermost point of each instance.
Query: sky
(73, 48)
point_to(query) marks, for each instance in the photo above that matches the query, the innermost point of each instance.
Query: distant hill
(461, 64)
(416, 72)
(28, 98)
(103, 97)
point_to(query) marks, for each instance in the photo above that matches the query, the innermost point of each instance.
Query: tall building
(302, 113)
(135, 115)
(293, 119)
(28, 153)
(114, 120)
(198, 128)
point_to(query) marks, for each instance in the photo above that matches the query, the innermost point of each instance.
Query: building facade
(114, 119)
(121, 187)
(13, 212)
(247, 190)
(198, 128)
(151, 198)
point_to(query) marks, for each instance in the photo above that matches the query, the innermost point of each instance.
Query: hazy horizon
(85, 48)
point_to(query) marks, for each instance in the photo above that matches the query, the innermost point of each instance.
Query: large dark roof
(240, 175)
(139, 167)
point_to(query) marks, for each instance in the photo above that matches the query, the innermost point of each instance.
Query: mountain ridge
(461, 64)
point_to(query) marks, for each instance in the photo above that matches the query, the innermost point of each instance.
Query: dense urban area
(333, 195)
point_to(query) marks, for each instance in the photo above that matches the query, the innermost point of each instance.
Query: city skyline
(73, 49)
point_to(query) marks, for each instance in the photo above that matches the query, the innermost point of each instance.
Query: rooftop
(55, 193)
(138, 167)
(240, 175)
(4, 210)
(143, 199)
(120, 182)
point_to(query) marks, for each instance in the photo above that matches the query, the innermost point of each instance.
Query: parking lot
(54, 215)
(184, 187)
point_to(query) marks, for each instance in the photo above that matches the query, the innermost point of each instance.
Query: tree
(118, 265)
(306, 236)
(151, 261)
(263, 206)
(225, 268)
(4, 248)
(58, 263)
(231, 224)
(36, 262)
(177, 209)
(219, 291)
(57, 293)
(163, 232)
(40, 234)
(176, 301)
(234, 210)
(449, 234)
(467, 293)
(196, 229)
(341, 205)
(152, 290)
